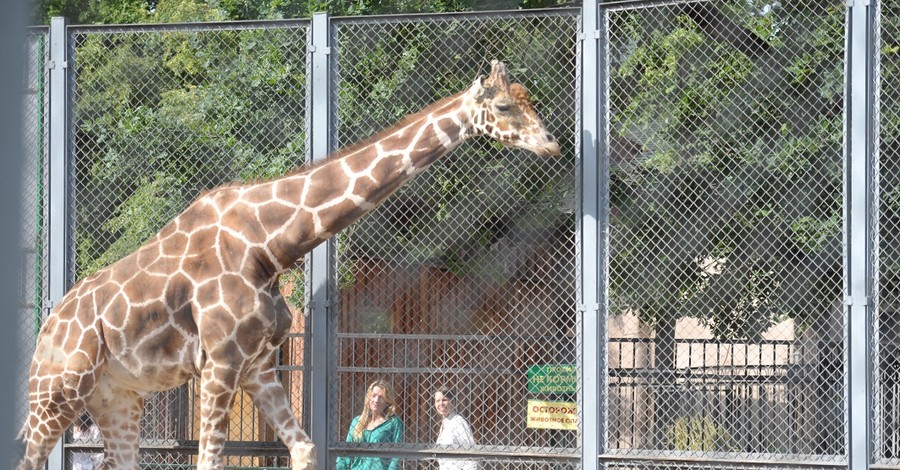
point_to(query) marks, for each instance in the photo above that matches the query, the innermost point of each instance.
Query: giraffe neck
(331, 195)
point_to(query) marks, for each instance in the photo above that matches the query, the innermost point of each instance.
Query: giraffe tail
(19, 445)
(20, 436)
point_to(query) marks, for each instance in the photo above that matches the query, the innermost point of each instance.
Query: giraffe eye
(503, 107)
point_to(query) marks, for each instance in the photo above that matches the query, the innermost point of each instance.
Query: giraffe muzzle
(546, 147)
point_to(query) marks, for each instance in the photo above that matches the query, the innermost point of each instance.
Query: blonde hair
(366, 415)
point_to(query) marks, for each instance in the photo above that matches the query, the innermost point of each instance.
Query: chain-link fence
(726, 339)
(33, 286)
(886, 355)
(726, 186)
(466, 274)
(191, 108)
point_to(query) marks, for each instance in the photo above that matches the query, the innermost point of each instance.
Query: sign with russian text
(552, 378)
(552, 415)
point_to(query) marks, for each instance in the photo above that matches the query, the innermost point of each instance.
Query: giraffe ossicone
(200, 299)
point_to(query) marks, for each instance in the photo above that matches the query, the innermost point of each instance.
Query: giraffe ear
(498, 77)
(477, 86)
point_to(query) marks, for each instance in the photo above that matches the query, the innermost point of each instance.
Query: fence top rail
(306, 22)
(616, 340)
(191, 26)
(715, 342)
(420, 451)
(749, 460)
(620, 5)
(448, 16)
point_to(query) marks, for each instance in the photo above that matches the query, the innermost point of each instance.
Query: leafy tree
(163, 116)
(889, 153)
(93, 11)
(727, 121)
(452, 215)
(142, 11)
(732, 214)
(708, 93)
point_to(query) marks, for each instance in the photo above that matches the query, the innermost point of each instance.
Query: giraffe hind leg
(272, 402)
(51, 413)
(117, 413)
(61, 379)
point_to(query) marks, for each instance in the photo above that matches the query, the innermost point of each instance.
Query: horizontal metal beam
(667, 460)
(193, 27)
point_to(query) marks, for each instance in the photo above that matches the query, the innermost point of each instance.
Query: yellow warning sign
(552, 415)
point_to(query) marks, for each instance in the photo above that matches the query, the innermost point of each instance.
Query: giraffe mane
(520, 95)
(403, 122)
(365, 142)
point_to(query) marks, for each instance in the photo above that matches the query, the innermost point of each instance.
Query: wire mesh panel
(886, 360)
(162, 113)
(676, 465)
(726, 339)
(726, 275)
(34, 204)
(465, 277)
(411, 462)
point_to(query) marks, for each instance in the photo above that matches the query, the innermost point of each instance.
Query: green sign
(552, 378)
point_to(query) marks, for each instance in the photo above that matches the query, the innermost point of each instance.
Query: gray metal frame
(860, 205)
(593, 232)
(60, 161)
(860, 242)
(320, 261)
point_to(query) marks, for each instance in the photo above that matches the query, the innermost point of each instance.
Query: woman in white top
(455, 432)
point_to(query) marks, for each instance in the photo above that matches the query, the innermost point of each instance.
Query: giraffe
(200, 299)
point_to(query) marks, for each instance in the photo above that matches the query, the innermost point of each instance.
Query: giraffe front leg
(268, 395)
(218, 386)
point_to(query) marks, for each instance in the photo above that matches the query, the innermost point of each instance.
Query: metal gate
(704, 278)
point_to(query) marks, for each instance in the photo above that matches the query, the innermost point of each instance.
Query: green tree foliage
(454, 214)
(93, 11)
(727, 199)
(142, 11)
(162, 116)
(889, 154)
(732, 211)
(699, 434)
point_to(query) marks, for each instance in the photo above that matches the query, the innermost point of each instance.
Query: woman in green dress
(378, 422)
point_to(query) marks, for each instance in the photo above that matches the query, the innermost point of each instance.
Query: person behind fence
(378, 422)
(455, 431)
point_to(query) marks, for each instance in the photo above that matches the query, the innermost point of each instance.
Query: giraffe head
(503, 111)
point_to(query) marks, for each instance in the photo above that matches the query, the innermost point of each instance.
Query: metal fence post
(14, 242)
(319, 259)
(58, 193)
(859, 239)
(593, 236)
